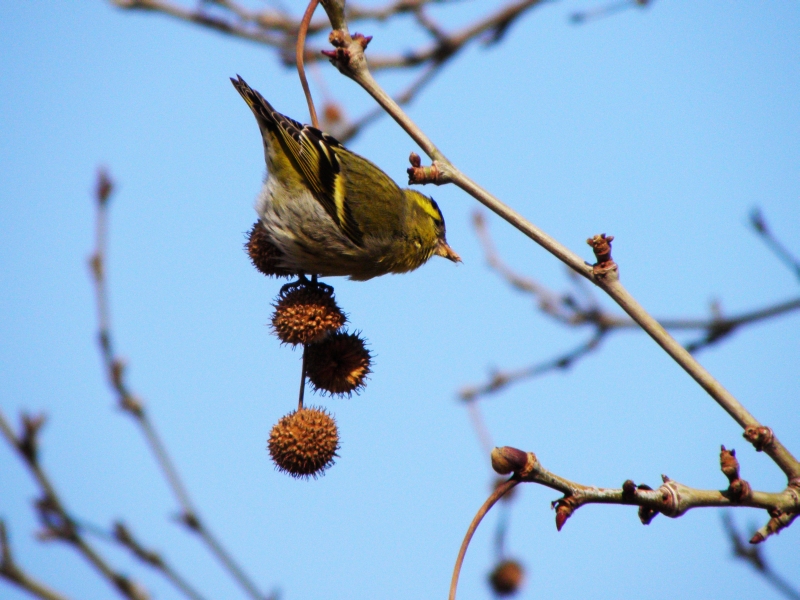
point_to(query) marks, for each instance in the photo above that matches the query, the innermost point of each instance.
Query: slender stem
(167, 467)
(300, 53)
(302, 379)
(222, 555)
(498, 493)
(484, 437)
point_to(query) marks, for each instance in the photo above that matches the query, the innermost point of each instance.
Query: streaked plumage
(331, 212)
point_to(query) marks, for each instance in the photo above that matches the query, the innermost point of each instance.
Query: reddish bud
(103, 187)
(760, 437)
(362, 39)
(601, 245)
(739, 490)
(729, 464)
(506, 460)
(564, 511)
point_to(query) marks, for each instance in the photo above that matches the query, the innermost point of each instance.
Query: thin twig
(60, 525)
(301, 44)
(568, 310)
(606, 11)
(565, 309)
(302, 379)
(501, 379)
(403, 98)
(127, 401)
(10, 571)
(481, 431)
(446, 46)
(672, 498)
(754, 556)
(124, 537)
(278, 29)
(759, 224)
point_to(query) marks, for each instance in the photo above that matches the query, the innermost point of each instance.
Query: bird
(330, 212)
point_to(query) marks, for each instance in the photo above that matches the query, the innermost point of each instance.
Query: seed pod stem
(302, 379)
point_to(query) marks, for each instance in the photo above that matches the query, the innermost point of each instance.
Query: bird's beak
(443, 249)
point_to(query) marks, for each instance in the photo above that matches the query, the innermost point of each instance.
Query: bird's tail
(267, 117)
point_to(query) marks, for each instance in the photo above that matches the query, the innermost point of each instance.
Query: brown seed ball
(304, 442)
(339, 364)
(507, 577)
(263, 253)
(305, 313)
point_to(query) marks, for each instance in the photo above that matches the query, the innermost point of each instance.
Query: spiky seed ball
(506, 578)
(263, 253)
(339, 364)
(304, 442)
(305, 313)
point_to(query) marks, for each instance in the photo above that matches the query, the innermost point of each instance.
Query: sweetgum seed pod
(306, 313)
(304, 443)
(263, 253)
(506, 578)
(339, 364)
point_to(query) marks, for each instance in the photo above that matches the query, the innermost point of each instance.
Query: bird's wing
(313, 153)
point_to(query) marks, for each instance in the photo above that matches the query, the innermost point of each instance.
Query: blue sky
(663, 127)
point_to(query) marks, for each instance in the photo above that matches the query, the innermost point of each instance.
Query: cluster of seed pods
(335, 362)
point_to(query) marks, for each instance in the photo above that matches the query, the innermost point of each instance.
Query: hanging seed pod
(263, 253)
(506, 578)
(339, 364)
(304, 443)
(305, 313)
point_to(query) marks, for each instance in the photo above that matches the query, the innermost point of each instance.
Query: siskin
(331, 212)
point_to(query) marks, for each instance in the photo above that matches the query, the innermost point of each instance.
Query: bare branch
(265, 27)
(754, 556)
(11, 572)
(128, 402)
(759, 224)
(580, 308)
(59, 524)
(278, 29)
(606, 11)
(500, 379)
(446, 45)
(567, 309)
(671, 499)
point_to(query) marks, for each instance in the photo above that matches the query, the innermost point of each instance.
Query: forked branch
(579, 308)
(671, 498)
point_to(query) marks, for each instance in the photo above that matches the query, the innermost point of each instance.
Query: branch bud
(506, 460)
(729, 464)
(760, 437)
